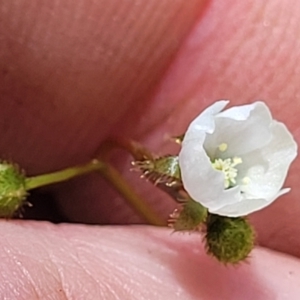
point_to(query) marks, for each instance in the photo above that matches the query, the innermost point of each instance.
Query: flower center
(228, 167)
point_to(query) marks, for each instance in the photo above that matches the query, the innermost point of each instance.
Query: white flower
(235, 162)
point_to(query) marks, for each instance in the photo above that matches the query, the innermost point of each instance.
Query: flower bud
(164, 169)
(230, 240)
(12, 189)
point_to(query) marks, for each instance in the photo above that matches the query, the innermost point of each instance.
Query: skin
(73, 75)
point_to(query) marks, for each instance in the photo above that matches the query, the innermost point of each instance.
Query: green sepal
(164, 169)
(168, 166)
(189, 217)
(12, 189)
(230, 240)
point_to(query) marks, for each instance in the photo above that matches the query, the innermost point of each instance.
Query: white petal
(205, 122)
(247, 206)
(240, 113)
(243, 128)
(203, 183)
(267, 168)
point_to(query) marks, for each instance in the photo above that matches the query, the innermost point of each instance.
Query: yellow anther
(227, 166)
(236, 161)
(223, 147)
(246, 180)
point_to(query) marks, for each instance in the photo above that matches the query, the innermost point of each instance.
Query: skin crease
(67, 70)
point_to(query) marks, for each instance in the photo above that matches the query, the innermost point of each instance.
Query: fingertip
(132, 262)
(75, 67)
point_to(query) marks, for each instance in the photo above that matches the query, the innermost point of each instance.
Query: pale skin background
(75, 72)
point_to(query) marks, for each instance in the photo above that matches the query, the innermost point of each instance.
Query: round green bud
(12, 189)
(230, 240)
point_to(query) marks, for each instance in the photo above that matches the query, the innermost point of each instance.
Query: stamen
(236, 161)
(227, 166)
(246, 180)
(223, 147)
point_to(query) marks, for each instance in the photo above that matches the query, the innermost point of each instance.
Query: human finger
(131, 262)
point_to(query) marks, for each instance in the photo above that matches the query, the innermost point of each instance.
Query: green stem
(63, 175)
(110, 174)
(125, 190)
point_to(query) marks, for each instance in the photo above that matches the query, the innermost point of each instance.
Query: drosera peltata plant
(231, 163)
